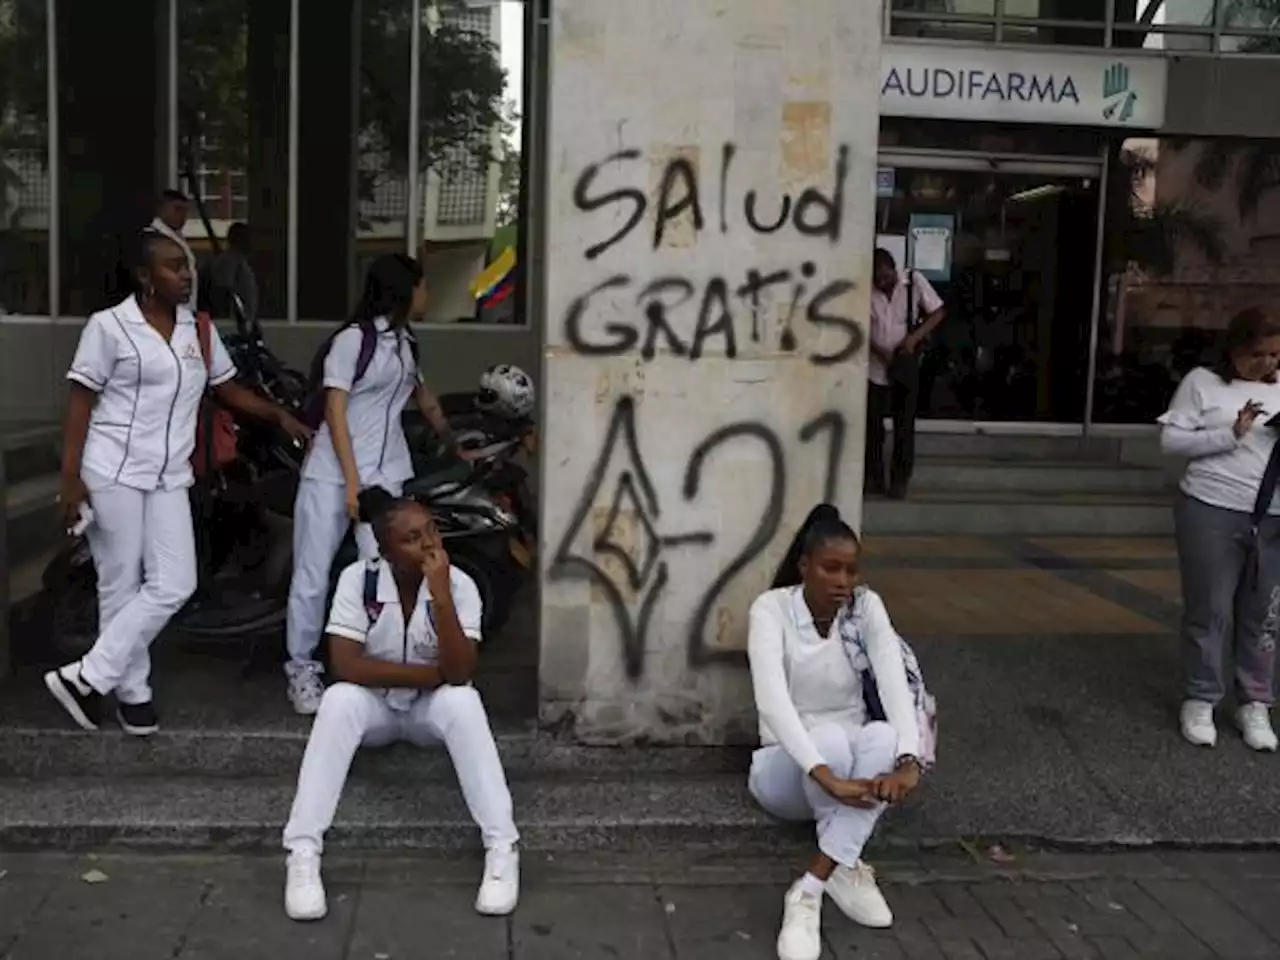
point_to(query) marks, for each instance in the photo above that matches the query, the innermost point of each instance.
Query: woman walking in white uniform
(402, 640)
(820, 759)
(136, 384)
(1227, 521)
(360, 445)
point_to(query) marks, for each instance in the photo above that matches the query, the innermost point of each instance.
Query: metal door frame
(1036, 164)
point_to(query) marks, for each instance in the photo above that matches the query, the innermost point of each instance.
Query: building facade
(1092, 186)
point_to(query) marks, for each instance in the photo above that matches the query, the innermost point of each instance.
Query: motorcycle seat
(441, 478)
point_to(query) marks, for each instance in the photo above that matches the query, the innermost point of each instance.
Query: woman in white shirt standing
(360, 445)
(136, 384)
(1230, 569)
(820, 759)
(402, 641)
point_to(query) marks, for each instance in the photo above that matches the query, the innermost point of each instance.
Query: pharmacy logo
(1118, 99)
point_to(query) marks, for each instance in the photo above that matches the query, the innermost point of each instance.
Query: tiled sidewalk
(962, 587)
(667, 907)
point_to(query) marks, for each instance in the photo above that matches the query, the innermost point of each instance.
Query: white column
(710, 221)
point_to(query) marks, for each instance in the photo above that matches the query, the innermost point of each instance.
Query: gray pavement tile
(1114, 948)
(412, 912)
(26, 881)
(1212, 919)
(570, 923)
(714, 923)
(242, 915)
(1256, 899)
(141, 911)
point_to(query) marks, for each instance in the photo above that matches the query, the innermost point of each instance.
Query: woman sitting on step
(820, 759)
(402, 637)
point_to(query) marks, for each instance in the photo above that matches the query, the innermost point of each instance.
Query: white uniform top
(802, 679)
(374, 406)
(1223, 471)
(891, 318)
(387, 638)
(160, 226)
(142, 431)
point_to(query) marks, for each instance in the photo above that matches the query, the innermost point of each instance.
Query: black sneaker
(82, 703)
(138, 719)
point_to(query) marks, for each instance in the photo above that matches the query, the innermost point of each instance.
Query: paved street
(951, 906)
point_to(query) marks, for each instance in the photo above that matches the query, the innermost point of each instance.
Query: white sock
(811, 884)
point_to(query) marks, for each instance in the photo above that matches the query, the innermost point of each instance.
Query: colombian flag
(497, 281)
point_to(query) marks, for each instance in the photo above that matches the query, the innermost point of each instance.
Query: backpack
(313, 408)
(215, 427)
(925, 705)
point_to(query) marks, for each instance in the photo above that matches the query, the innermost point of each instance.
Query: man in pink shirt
(903, 314)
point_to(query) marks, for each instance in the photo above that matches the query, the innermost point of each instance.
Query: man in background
(171, 217)
(904, 311)
(231, 276)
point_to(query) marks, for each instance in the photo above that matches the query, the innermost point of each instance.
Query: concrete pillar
(710, 220)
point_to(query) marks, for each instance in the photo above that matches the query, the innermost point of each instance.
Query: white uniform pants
(320, 524)
(351, 716)
(144, 551)
(784, 790)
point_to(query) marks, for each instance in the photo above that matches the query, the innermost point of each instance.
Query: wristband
(906, 760)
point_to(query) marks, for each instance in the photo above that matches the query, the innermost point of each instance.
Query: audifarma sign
(1018, 86)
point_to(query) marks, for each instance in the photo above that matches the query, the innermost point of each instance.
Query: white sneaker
(1254, 720)
(801, 934)
(304, 890)
(306, 689)
(500, 888)
(854, 891)
(1197, 723)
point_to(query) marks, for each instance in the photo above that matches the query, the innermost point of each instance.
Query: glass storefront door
(1010, 246)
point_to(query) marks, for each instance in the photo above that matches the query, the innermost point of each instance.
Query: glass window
(944, 19)
(1193, 237)
(1260, 17)
(233, 143)
(354, 191)
(24, 155)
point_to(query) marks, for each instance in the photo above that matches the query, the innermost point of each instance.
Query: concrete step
(568, 815)
(32, 510)
(993, 474)
(1014, 446)
(243, 753)
(1021, 514)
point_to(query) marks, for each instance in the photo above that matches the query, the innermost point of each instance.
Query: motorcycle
(241, 522)
(244, 527)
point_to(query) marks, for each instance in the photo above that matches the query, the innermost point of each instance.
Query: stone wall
(710, 218)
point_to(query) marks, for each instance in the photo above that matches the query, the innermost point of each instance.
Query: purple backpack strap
(371, 605)
(368, 345)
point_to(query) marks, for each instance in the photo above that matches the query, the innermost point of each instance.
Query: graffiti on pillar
(633, 534)
(681, 315)
(618, 537)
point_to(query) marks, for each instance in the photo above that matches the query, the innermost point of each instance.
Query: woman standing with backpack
(366, 372)
(842, 731)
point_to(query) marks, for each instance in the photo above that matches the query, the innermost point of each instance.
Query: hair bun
(374, 501)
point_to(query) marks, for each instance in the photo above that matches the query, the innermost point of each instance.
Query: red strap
(204, 333)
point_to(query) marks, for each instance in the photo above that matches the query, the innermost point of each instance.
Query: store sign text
(939, 83)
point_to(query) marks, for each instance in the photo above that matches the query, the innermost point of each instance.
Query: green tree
(460, 91)
(1154, 231)
(24, 96)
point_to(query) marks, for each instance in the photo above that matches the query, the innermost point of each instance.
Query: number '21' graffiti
(631, 538)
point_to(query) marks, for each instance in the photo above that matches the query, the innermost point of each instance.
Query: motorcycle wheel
(74, 621)
(496, 588)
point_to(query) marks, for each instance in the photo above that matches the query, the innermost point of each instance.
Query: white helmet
(506, 391)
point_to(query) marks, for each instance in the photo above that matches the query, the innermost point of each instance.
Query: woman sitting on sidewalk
(402, 635)
(1227, 528)
(820, 759)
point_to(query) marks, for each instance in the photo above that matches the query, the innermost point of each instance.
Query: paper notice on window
(931, 247)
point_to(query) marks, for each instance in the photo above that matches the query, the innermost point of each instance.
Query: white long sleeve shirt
(1222, 471)
(802, 679)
